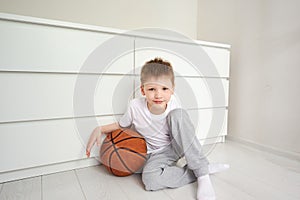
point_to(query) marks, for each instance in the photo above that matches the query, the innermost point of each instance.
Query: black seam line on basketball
(121, 131)
(120, 141)
(110, 156)
(124, 164)
(109, 135)
(109, 162)
(112, 138)
(106, 150)
(115, 150)
(132, 137)
(133, 152)
(139, 134)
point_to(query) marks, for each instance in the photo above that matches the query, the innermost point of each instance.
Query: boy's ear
(142, 90)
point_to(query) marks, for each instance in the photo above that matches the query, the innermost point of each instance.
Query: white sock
(205, 189)
(217, 167)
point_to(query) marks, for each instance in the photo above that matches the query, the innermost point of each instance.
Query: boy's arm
(109, 128)
(95, 137)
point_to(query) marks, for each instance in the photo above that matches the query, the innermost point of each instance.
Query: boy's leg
(185, 142)
(161, 172)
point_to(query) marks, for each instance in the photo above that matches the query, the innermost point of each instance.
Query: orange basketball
(123, 152)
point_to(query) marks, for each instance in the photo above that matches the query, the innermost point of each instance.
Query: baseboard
(279, 152)
(47, 169)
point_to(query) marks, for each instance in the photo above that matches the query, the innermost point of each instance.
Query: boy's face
(158, 91)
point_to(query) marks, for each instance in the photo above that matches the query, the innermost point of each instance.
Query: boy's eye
(151, 89)
(165, 88)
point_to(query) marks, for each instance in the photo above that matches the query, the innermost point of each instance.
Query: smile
(158, 102)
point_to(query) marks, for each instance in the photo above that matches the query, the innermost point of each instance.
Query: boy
(168, 132)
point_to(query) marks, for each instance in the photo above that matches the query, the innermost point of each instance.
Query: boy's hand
(95, 137)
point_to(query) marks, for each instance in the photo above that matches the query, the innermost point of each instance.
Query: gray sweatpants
(161, 171)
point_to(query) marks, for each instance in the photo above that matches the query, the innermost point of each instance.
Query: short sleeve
(127, 118)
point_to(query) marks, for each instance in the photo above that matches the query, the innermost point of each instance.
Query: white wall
(265, 67)
(177, 15)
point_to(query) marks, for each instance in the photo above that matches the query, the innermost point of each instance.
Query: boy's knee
(177, 114)
(151, 181)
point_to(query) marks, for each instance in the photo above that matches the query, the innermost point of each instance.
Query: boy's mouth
(158, 102)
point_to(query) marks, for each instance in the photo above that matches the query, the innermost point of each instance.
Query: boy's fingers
(90, 144)
(88, 153)
(88, 149)
(94, 138)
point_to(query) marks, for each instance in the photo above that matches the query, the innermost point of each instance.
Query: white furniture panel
(209, 123)
(35, 96)
(195, 93)
(121, 64)
(187, 59)
(43, 48)
(27, 96)
(113, 94)
(25, 145)
(221, 59)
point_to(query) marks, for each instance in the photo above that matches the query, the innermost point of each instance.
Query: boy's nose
(157, 94)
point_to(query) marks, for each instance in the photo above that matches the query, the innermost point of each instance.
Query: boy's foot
(205, 189)
(217, 167)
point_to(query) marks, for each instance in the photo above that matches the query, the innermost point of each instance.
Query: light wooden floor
(253, 175)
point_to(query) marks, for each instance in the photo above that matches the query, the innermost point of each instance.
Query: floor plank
(135, 190)
(255, 175)
(26, 189)
(187, 192)
(97, 185)
(133, 187)
(227, 191)
(62, 186)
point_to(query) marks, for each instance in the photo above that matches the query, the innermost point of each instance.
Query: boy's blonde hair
(157, 68)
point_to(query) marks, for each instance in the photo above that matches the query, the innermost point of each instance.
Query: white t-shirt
(154, 128)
